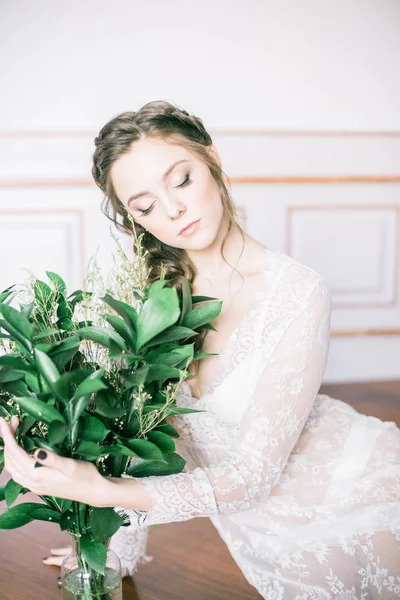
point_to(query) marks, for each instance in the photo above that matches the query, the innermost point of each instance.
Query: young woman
(304, 490)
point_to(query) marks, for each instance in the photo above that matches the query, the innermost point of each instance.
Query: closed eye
(187, 181)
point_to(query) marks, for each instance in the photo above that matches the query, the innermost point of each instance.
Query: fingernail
(42, 455)
(45, 558)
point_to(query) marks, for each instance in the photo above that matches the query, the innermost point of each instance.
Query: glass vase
(80, 582)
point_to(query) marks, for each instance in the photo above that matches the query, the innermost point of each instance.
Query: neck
(210, 265)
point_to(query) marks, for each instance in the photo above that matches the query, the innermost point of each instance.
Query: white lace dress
(303, 489)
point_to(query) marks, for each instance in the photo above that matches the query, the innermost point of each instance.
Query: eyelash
(186, 182)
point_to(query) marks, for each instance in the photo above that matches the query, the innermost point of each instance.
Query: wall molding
(395, 281)
(235, 132)
(79, 213)
(56, 182)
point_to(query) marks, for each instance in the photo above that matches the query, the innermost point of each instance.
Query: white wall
(331, 201)
(258, 64)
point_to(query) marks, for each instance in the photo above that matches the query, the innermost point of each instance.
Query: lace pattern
(304, 490)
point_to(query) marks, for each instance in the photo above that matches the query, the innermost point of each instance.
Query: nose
(174, 209)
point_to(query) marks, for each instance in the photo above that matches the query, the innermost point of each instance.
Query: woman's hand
(60, 477)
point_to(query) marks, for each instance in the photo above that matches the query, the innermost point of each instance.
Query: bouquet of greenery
(93, 375)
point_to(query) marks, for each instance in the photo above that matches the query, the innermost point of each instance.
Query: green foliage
(98, 389)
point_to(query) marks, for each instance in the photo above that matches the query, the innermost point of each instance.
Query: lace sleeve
(278, 406)
(130, 543)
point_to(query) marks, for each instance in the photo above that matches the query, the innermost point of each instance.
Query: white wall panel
(36, 242)
(330, 201)
(360, 269)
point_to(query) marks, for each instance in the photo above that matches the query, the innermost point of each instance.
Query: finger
(53, 560)
(14, 454)
(67, 466)
(14, 423)
(61, 551)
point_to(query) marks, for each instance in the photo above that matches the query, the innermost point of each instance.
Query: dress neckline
(250, 312)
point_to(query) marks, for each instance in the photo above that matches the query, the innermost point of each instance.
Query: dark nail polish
(45, 558)
(42, 455)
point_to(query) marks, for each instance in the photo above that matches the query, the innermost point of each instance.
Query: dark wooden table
(190, 560)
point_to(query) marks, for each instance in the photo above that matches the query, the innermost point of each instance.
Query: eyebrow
(164, 177)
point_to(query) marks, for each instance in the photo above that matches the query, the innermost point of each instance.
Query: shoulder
(299, 281)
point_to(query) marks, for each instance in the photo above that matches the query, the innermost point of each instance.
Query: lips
(187, 226)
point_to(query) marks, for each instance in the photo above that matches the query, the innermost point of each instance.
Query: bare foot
(57, 556)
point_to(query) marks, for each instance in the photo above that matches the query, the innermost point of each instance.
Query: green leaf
(171, 335)
(26, 309)
(10, 360)
(46, 367)
(40, 410)
(59, 283)
(66, 520)
(117, 450)
(144, 449)
(57, 432)
(208, 326)
(11, 375)
(64, 504)
(21, 514)
(104, 522)
(17, 388)
(138, 377)
(64, 351)
(41, 443)
(2, 493)
(128, 356)
(168, 429)
(90, 385)
(50, 373)
(200, 355)
(102, 335)
(46, 333)
(196, 299)
(162, 440)
(202, 314)
(44, 296)
(161, 373)
(83, 393)
(154, 373)
(6, 293)
(86, 448)
(172, 411)
(122, 328)
(14, 517)
(186, 299)
(12, 491)
(104, 409)
(95, 553)
(158, 313)
(174, 357)
(64, 310)
(32, 382)
(128, 313)
(15, 335)
(173, 464)
(65, 324)
(92, 429)
(18, 321)
(155, 287)
(25, 425)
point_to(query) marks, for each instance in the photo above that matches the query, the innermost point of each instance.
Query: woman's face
(164, 197)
